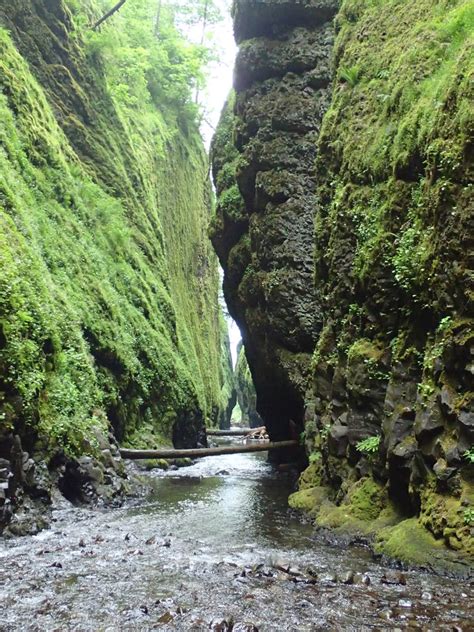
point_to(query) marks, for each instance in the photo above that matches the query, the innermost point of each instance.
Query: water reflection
(181, 557)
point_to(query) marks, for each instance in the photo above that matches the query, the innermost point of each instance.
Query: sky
(221, 72)
(213, 98)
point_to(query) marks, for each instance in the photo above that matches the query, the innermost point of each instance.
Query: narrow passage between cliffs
(211, 546)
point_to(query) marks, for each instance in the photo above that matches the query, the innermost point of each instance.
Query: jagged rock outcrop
(109, 313)
(263, 160)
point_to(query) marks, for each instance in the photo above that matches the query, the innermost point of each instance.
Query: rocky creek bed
(212, 546)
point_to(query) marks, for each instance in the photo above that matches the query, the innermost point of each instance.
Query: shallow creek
(211, 543)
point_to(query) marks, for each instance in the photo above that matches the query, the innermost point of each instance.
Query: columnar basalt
(393, 236)
(266, 144)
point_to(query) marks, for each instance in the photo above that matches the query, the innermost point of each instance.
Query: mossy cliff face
(393, 234)
(263, 157)
(387, 179)
(109, 308)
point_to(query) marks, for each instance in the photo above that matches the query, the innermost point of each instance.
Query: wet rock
(244, 627)
(429, 421)
(269, 16)
(348, 578)
(393, 578)
(281, 565)
(329, 578)
(366, 580)
(282, 81)
(220, 625)
(91, 469)
(442, 471)
(312, 571)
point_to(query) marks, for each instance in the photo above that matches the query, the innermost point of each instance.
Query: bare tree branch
(108, 14)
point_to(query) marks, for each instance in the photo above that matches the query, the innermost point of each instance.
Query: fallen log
(196, 453)
(240, 432)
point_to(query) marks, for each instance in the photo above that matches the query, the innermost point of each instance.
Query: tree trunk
(241, 432)
(157, 19)
(169, 453)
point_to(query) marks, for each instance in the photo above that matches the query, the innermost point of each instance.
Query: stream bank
(211, 543)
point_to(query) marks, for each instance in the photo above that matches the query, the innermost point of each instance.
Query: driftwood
(259, 433)
(196, 453)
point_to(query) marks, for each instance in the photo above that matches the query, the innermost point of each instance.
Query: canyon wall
(109, 313)
(246, 394)
(263, 158)
(347, 247)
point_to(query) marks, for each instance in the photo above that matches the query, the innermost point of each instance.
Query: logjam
(196, 453)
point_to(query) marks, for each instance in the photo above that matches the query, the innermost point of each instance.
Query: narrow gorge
(334, 205)
(109, 314)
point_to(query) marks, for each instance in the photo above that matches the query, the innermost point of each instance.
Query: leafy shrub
(350, 75)
(469, 455)
(370, 445)
(469, 516)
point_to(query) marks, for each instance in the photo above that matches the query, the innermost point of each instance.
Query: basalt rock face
(378, 202)
(394, 236)
(263, 158)
(246, 394)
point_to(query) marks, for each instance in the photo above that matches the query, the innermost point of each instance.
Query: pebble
(219, 625)
(405, 603)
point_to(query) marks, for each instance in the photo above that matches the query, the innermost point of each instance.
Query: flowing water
(209, 547)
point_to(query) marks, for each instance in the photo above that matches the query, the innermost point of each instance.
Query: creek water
(207, 547)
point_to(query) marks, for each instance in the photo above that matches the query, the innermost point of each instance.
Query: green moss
(365, 349)
(408, 542)
(109, 286)
(411, 544)
(391, 245)
(156, 464)
(246, 395)
(366, 499)
(308, 500)
(444, 516)
(230, 208)
(311, 476)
